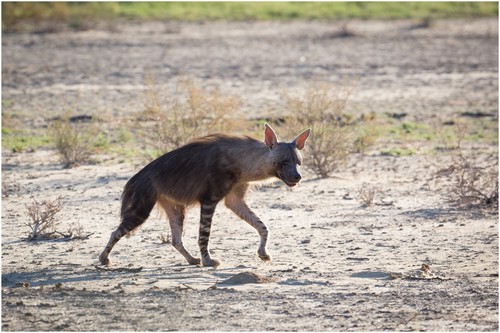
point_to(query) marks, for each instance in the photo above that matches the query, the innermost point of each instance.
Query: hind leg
(176, 214)
(115, 237)
(132, 218)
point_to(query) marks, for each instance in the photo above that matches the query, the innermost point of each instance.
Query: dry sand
(337, 264)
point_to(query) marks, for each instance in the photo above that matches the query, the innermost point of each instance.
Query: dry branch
(43, 218)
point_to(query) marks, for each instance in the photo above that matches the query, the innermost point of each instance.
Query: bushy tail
(138, 199)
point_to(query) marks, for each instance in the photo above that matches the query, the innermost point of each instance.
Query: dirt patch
(332, 254)
(247, 277)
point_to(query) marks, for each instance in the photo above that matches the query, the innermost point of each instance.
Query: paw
(264, 256)
(209, 262)
(104, 260)
(194, 261)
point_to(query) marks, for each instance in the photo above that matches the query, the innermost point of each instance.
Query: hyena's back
(204, 169)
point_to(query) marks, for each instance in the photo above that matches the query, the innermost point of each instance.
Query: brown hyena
(206, 171)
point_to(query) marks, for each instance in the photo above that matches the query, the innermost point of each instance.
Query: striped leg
(234, 201)
(176, 214)
(132, 219)
(207, 212)
(138, 199)
(115, 237)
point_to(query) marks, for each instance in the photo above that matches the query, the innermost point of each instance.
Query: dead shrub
(164, 239)
(43, 218)
(44, 222)
(472, 181)
(322, 109)
(74, 141)
(169, 122)
(366, 194)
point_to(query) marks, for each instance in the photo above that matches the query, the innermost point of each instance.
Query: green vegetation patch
(398, 152)
(21, 140)
(81, 15)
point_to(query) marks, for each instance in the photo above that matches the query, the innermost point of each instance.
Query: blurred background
(396, 79)
(19, 16)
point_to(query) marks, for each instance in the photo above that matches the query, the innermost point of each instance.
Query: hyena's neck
(255, 162)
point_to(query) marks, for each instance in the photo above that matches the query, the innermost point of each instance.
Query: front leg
(207, 212)
(235, 202)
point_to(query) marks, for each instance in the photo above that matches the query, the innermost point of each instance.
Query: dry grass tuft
(366, 194)
(169, 122)
(164, 239)
(74, 141)
(322, 109)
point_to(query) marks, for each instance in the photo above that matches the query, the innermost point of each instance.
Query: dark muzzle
(290, 176)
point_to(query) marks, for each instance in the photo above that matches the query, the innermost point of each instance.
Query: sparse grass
(55, 16)
(75, 142)
(334, 134)
(408, 137)
(410, 131)
(77, 15)
(24, 140)
(366, 133)
(170, 122)
(485, 129)
(398, 152)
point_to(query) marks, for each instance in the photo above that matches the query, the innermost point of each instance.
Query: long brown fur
(206, 171)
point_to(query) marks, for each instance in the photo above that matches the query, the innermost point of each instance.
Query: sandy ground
(337, 265)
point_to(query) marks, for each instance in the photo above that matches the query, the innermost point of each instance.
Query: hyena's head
(285, 156)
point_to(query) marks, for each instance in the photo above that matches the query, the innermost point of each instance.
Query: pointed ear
(270, 137)
(300, 140)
